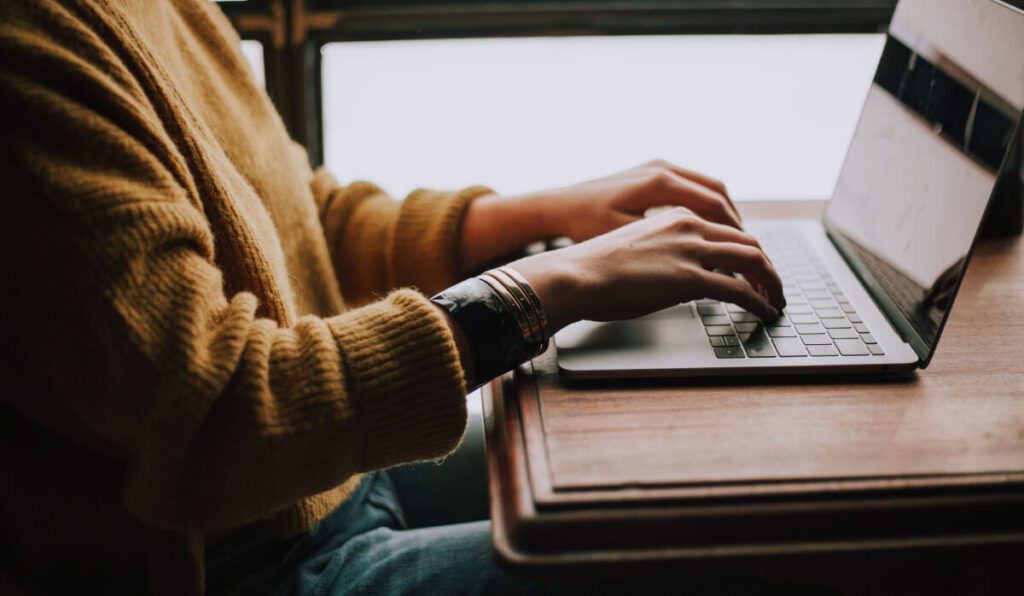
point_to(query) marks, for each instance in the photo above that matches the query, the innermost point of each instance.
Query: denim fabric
(418, 529)
(363, 547)
(368, 550)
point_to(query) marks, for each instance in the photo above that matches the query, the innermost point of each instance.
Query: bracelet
(501, 318)
(521, 319)
(527, 303)
(491, 329)
(545, 326)
(522, 303)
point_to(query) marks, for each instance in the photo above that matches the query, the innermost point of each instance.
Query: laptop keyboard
(818, 319)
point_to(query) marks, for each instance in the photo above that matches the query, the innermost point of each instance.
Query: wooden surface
(786, 465)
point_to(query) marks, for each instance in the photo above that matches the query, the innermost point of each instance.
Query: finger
(755, 270)
(712, 183)
(736, 291)
(718, 233)
(751, 263)
(710, 205)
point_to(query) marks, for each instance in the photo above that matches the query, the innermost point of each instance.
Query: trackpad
(663, 328)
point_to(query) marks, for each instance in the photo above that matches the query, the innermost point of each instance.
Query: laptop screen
(940, 118)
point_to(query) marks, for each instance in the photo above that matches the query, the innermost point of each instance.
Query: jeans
(368, 545)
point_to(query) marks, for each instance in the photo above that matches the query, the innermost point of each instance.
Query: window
(254, 55)
(293, 32)
(770, 115)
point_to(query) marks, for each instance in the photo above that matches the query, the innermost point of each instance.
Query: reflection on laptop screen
(939, 120)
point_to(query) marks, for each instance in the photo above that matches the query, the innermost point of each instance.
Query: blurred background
(763, 94)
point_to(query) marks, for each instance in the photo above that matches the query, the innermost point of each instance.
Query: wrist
(495, 226)
(557, 283)
(501, 324)
(541, 213)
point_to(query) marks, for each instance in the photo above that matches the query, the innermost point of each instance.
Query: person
(211, 347)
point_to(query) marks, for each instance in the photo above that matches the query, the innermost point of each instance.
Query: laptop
(870, 286)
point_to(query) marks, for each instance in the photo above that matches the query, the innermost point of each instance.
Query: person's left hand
(495, 226)
(592, 208)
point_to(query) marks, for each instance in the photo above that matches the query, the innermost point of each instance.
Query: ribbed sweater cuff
(403, 369)
(427, 234)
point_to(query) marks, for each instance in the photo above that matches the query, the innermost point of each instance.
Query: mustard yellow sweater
(178, 359)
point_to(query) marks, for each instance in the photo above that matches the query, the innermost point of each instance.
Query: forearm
(497, 226)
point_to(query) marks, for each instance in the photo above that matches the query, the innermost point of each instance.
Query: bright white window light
(253, 52)
(770, 115)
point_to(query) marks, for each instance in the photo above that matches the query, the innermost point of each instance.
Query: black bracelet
(491, 327)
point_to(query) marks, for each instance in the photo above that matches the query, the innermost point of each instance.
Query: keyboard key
(759, 346)
(810, 329)
(868, 338)
(816, 340)
(816, 304)
(781, 332)
(711, 309)
(876, 349)
(818, 295)
(861, 328)
(798, 309)
(851, 347)
(731, 341)
(847, 308)
(842, 333)
(744, 317)
(747, 327)
(836, 323)
(782, 321)
(823, 350)
(789, 347)
(855, 318)
(734, 308)
(812, 286)
(719, 329)
(830, 313)
(841, 298)
(715, 320)
(717, 341)
(803, 319)
(733, 352)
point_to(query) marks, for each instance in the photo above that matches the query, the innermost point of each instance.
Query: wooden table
(707, 473)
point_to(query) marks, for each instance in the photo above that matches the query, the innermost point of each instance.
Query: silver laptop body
(870, 286)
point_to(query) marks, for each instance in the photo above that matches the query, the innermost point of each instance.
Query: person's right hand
(653, 264)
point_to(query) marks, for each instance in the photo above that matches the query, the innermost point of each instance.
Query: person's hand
(586, 210)
(652, 264)
(495, 226)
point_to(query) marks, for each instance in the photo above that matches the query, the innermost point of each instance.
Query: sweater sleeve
(378, 243)
(120, 331)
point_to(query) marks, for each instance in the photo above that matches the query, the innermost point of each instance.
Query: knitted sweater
(178, 360)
